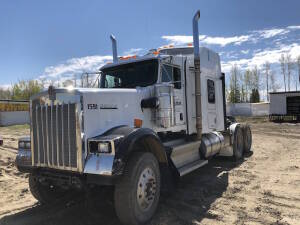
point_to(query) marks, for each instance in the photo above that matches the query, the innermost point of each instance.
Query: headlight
(24, 144)
(105, 144)
(27, 145)
(104, 147)
(21, 144)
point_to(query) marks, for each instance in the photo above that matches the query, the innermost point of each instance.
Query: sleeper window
(211, 91)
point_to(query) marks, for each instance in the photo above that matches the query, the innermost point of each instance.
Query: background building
(285, 106)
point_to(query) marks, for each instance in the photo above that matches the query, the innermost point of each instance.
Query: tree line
(24, 89)
(247, 86)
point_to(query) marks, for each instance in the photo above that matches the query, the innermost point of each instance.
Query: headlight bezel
(107, 143)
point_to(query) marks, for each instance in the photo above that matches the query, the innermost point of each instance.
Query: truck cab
(152, 117)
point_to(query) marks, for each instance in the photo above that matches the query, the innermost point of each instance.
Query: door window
(171, 75)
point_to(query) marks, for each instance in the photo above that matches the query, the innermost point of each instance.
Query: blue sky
(56, 39)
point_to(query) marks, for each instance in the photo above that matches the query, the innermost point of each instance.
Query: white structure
(285, 103)
(14, 112)
(14, 118)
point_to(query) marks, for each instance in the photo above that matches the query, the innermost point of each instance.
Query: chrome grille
(54, 136)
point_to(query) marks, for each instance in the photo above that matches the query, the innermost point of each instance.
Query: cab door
(172, 73)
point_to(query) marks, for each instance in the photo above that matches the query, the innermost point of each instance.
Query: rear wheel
(45, 194)
(247, 138)
(238, 143)
(137, 194)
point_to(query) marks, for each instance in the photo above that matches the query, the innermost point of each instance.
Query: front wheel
(137, 194)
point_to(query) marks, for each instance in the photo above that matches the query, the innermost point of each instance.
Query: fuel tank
(211, 144)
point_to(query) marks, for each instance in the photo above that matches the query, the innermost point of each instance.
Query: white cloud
(294, 27)
(5, 86)
(133, 51)
(259, 58)
(222, 41)
(73, 66)
(181, 39)
(251, 36)
(245, 51)
(268, 33)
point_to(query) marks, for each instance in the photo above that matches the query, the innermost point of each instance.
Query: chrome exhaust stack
(197, 75)
(114, 48)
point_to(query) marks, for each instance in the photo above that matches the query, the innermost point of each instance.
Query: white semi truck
(152, 117)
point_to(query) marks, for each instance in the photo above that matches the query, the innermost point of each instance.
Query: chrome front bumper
(23, 160)
(95, 164)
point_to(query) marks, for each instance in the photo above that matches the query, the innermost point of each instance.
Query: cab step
(191, 167)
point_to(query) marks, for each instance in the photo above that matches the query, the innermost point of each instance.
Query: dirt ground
(263, 189)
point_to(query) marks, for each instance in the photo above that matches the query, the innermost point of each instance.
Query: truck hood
(104, 109)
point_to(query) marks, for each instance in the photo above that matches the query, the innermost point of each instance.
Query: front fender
(140, 139)
(133, 139)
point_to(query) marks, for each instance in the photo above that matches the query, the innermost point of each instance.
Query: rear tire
(44, 193)
(247, 138)
(238, 143)
(137, 194)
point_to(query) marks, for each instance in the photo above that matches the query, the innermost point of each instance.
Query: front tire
(44, 193)
(137, 194)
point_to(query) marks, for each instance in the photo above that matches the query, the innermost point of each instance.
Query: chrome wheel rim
(146, 189)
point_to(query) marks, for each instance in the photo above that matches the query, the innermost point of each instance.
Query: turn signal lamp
(138, 123)
(128, 57)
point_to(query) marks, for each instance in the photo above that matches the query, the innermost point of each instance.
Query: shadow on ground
(189, 202)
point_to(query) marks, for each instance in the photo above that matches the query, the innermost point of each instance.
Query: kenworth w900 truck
(152, 117)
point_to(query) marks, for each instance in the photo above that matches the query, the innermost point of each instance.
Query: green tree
(23, 90)
(254, 97)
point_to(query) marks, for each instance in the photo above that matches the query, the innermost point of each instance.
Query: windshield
(131, 75)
